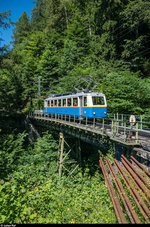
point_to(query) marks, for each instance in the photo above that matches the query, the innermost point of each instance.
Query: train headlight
(94, 113)
(105, 113)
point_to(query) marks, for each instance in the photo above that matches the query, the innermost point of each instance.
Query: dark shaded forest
(62, 41)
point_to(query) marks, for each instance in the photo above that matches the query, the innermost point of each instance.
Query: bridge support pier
(60, 152)
(66, 151)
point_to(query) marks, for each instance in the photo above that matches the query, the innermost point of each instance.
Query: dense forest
(67, 39)
(62, 41)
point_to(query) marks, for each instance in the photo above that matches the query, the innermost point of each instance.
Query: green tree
(135, 21)
(5, 22)
(22, 28)
(126, 92)
(10, 91)
(69, 57)
(38, 20)
(57, 15)
(5, 19)
(48, 68)
(30, 58)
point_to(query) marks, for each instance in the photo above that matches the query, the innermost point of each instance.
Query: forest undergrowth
(32, 192)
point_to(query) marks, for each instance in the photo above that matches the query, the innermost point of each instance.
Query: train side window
(98, 100)
(69, 102)
(64, 102)
(59, 102)
(52, 103)
(85, 101)
(55, 102)
(75, 102)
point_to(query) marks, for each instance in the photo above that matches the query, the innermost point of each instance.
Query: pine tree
(3, 17)
(5, 22)
(38, 21)
(22, 29)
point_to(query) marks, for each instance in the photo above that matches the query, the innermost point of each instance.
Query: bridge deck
(103, 127)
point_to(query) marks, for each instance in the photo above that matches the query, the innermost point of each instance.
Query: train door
(81, 105)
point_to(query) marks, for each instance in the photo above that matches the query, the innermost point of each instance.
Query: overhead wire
(143, 52)
(141, 43)
(118, 38)
(141, 21)
(138, 53)
(116, 29)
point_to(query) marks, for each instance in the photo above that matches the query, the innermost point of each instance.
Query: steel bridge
(101, 131)
(130, 139)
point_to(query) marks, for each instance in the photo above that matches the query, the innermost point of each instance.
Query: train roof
(73, 94)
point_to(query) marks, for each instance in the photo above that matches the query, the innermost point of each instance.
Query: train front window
(98, 100)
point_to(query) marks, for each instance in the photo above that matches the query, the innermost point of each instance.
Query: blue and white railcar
(82, 104)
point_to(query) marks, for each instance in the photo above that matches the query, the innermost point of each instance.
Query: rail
(142, 120)
(128, 187)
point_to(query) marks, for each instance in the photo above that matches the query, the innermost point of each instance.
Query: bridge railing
(114, 128)
(142, 120)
